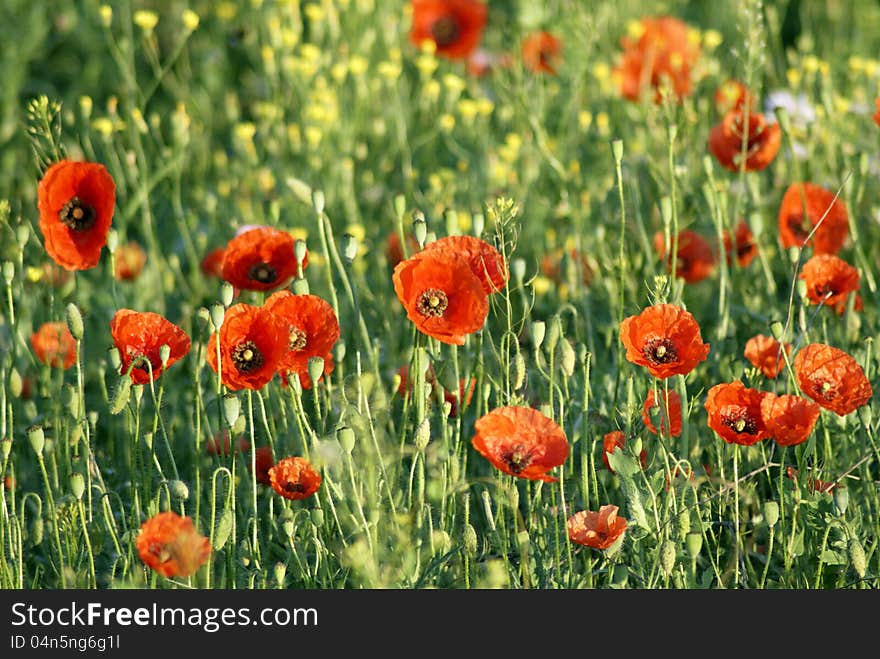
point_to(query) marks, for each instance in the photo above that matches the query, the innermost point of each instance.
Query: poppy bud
(470, 540)
(349, 246)
(218, 313)
(783, 118)
(223, 529)
(231, 408)
(5, 448)
(567, 358)
(8, 272)
(866, 415)
(15, 383)
(36, 531)
(77, 485)
(227, 292)
(115, 359)
(122, 395)
(179, 490)
(164, 354)
(802, 289)
(857, 557)
(399, 205)
(519, 371)
(554, 333)
(316, 368)
(420, 228)
(300, 249)
(148, 440)
(294, 383)
(539, 330)
(841, 499)
(617, 150)
(37, 439)
(667, 557)
(22, 233)
(777, 329)
(346, 438)
(684, 523)
(339, 351)
(318, 201)
(280, 571)
(478, 224)
(112, 240)
(300, 286)
(71, 400)
(138, 391)
(317, 517)
(423, 435)
(694, 542)
(75, 321)
(771, 513)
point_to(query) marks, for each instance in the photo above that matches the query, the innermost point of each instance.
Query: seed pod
(179, 490)
(667, 557)
(75, 321)
(231, 408)
(316, 369)
(857, 557)
(37, 439)
(771, 513)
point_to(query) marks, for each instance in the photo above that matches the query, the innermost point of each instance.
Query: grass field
(455, 427)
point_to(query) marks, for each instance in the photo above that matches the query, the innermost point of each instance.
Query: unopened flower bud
(300, 286)
(857, 557)
(316, 369)
(470, 540)
(423, 435)
(694, 543)
(667, 557)
(77, 485)
(318, 201)
(346, 438)
(518, 270)
(75, 321)
(218, 313)
(231, 408)
(420, 228)
(567, 358)
(349, 246)
(617, 150)
(399, 205)
(841, 499)
(280, 571)
(164, 354)
(771, 513)
(777, 329)
(227, 292)
(300, 249)
(684, 523)
(15, 383)
(478, 223)
(339, 351)
(121, 396)
(37, 439)
(179, 490)
(539, 330)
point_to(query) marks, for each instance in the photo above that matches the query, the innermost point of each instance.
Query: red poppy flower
(552, 265)
(76, 201)
(765, 353)
(486, 262)
(212, 263)
(260, 259)
(265, 461)
(129, 261)
(598, 530)
(294, 478)
(789, 419)
(541, 52)
(394, 249)
(876, 115)
(745, 247)
(794, 228)
(762, 141)
(141, 335)
(814, 484)
(465, 392)
(313, 330)
(665, 339)
(521, 442)
(617, 440)
(441, 294)
(732, 95)
(695, 257)
(829, 280)
(668, 409)
(832, 378)
(253, 341)
(455, 26)
(735, 413)
(170, 545)
(220, 445)
(662, 54)
(54, 345)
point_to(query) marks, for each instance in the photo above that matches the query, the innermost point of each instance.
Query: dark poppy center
(825, 390)
(263, 273)
(799, 227)
(660, 351)
(294, 487)
(77, 215)
(161, 551)
(740, 422)
(432, 302)
(516, 459)
(445, 31)
(247, 356)
(298, 339)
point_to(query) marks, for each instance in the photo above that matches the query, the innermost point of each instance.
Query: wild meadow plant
(439, 293)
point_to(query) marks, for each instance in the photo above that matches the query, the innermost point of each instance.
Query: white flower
(800, 110)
